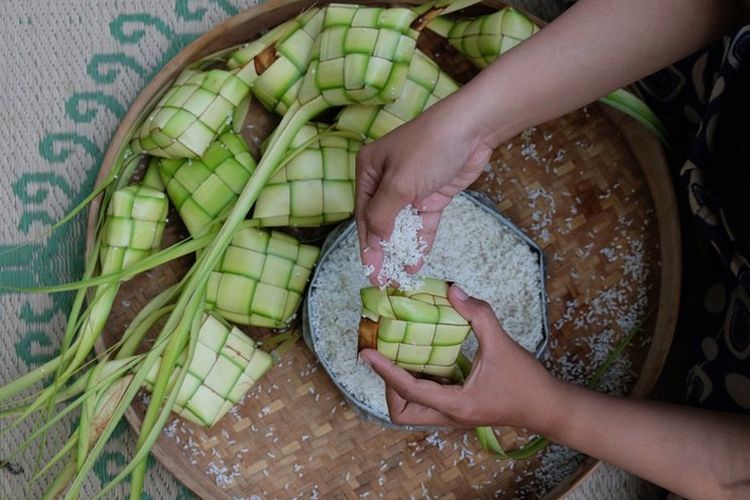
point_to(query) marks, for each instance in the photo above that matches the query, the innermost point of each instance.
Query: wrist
(548, 406)
(493, 109)
(501, 107)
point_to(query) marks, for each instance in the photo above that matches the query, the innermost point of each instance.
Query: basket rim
(646, 148)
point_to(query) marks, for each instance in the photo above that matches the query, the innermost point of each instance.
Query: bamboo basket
(294, 435)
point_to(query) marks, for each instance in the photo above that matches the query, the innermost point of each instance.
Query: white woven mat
(68, 71)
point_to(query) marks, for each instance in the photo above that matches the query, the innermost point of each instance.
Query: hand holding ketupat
(430, 159)
(507, 385)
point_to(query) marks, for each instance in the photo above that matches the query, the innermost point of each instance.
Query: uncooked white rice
(405, 248)
(472, 249)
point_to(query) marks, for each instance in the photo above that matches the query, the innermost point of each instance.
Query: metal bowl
(342, 232)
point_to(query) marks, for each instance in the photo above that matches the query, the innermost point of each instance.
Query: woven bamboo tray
(592, 188)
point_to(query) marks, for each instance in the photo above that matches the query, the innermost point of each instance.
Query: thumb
(479, 314)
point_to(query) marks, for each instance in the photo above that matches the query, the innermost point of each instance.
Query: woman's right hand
(424, 163)
(566, 65)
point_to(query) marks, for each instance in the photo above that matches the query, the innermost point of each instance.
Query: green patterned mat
(69, 71)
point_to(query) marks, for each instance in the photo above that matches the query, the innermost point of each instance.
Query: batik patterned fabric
(708, 95)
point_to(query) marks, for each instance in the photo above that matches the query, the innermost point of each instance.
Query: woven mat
(69, 69)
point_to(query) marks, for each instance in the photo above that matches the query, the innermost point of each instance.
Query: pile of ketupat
(363, 59)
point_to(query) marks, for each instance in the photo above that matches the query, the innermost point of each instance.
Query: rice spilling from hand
(472, 249)
(406, 248)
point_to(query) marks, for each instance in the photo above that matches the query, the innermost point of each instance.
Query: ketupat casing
(198, 107)
(425, 85)
(204, 189)
(225, 365)
(136, 217)
(317, 185)
(361, 55)
(483, 39)
(275, 64)
(417, 329)
(261, 277)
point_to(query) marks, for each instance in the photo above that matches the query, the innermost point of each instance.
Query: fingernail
(459, 294)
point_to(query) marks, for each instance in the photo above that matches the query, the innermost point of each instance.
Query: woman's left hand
(507, 386)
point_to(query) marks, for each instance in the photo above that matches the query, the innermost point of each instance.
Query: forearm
(695, 453)
(594, 48)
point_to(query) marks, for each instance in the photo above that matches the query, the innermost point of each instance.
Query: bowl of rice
(475, 247)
